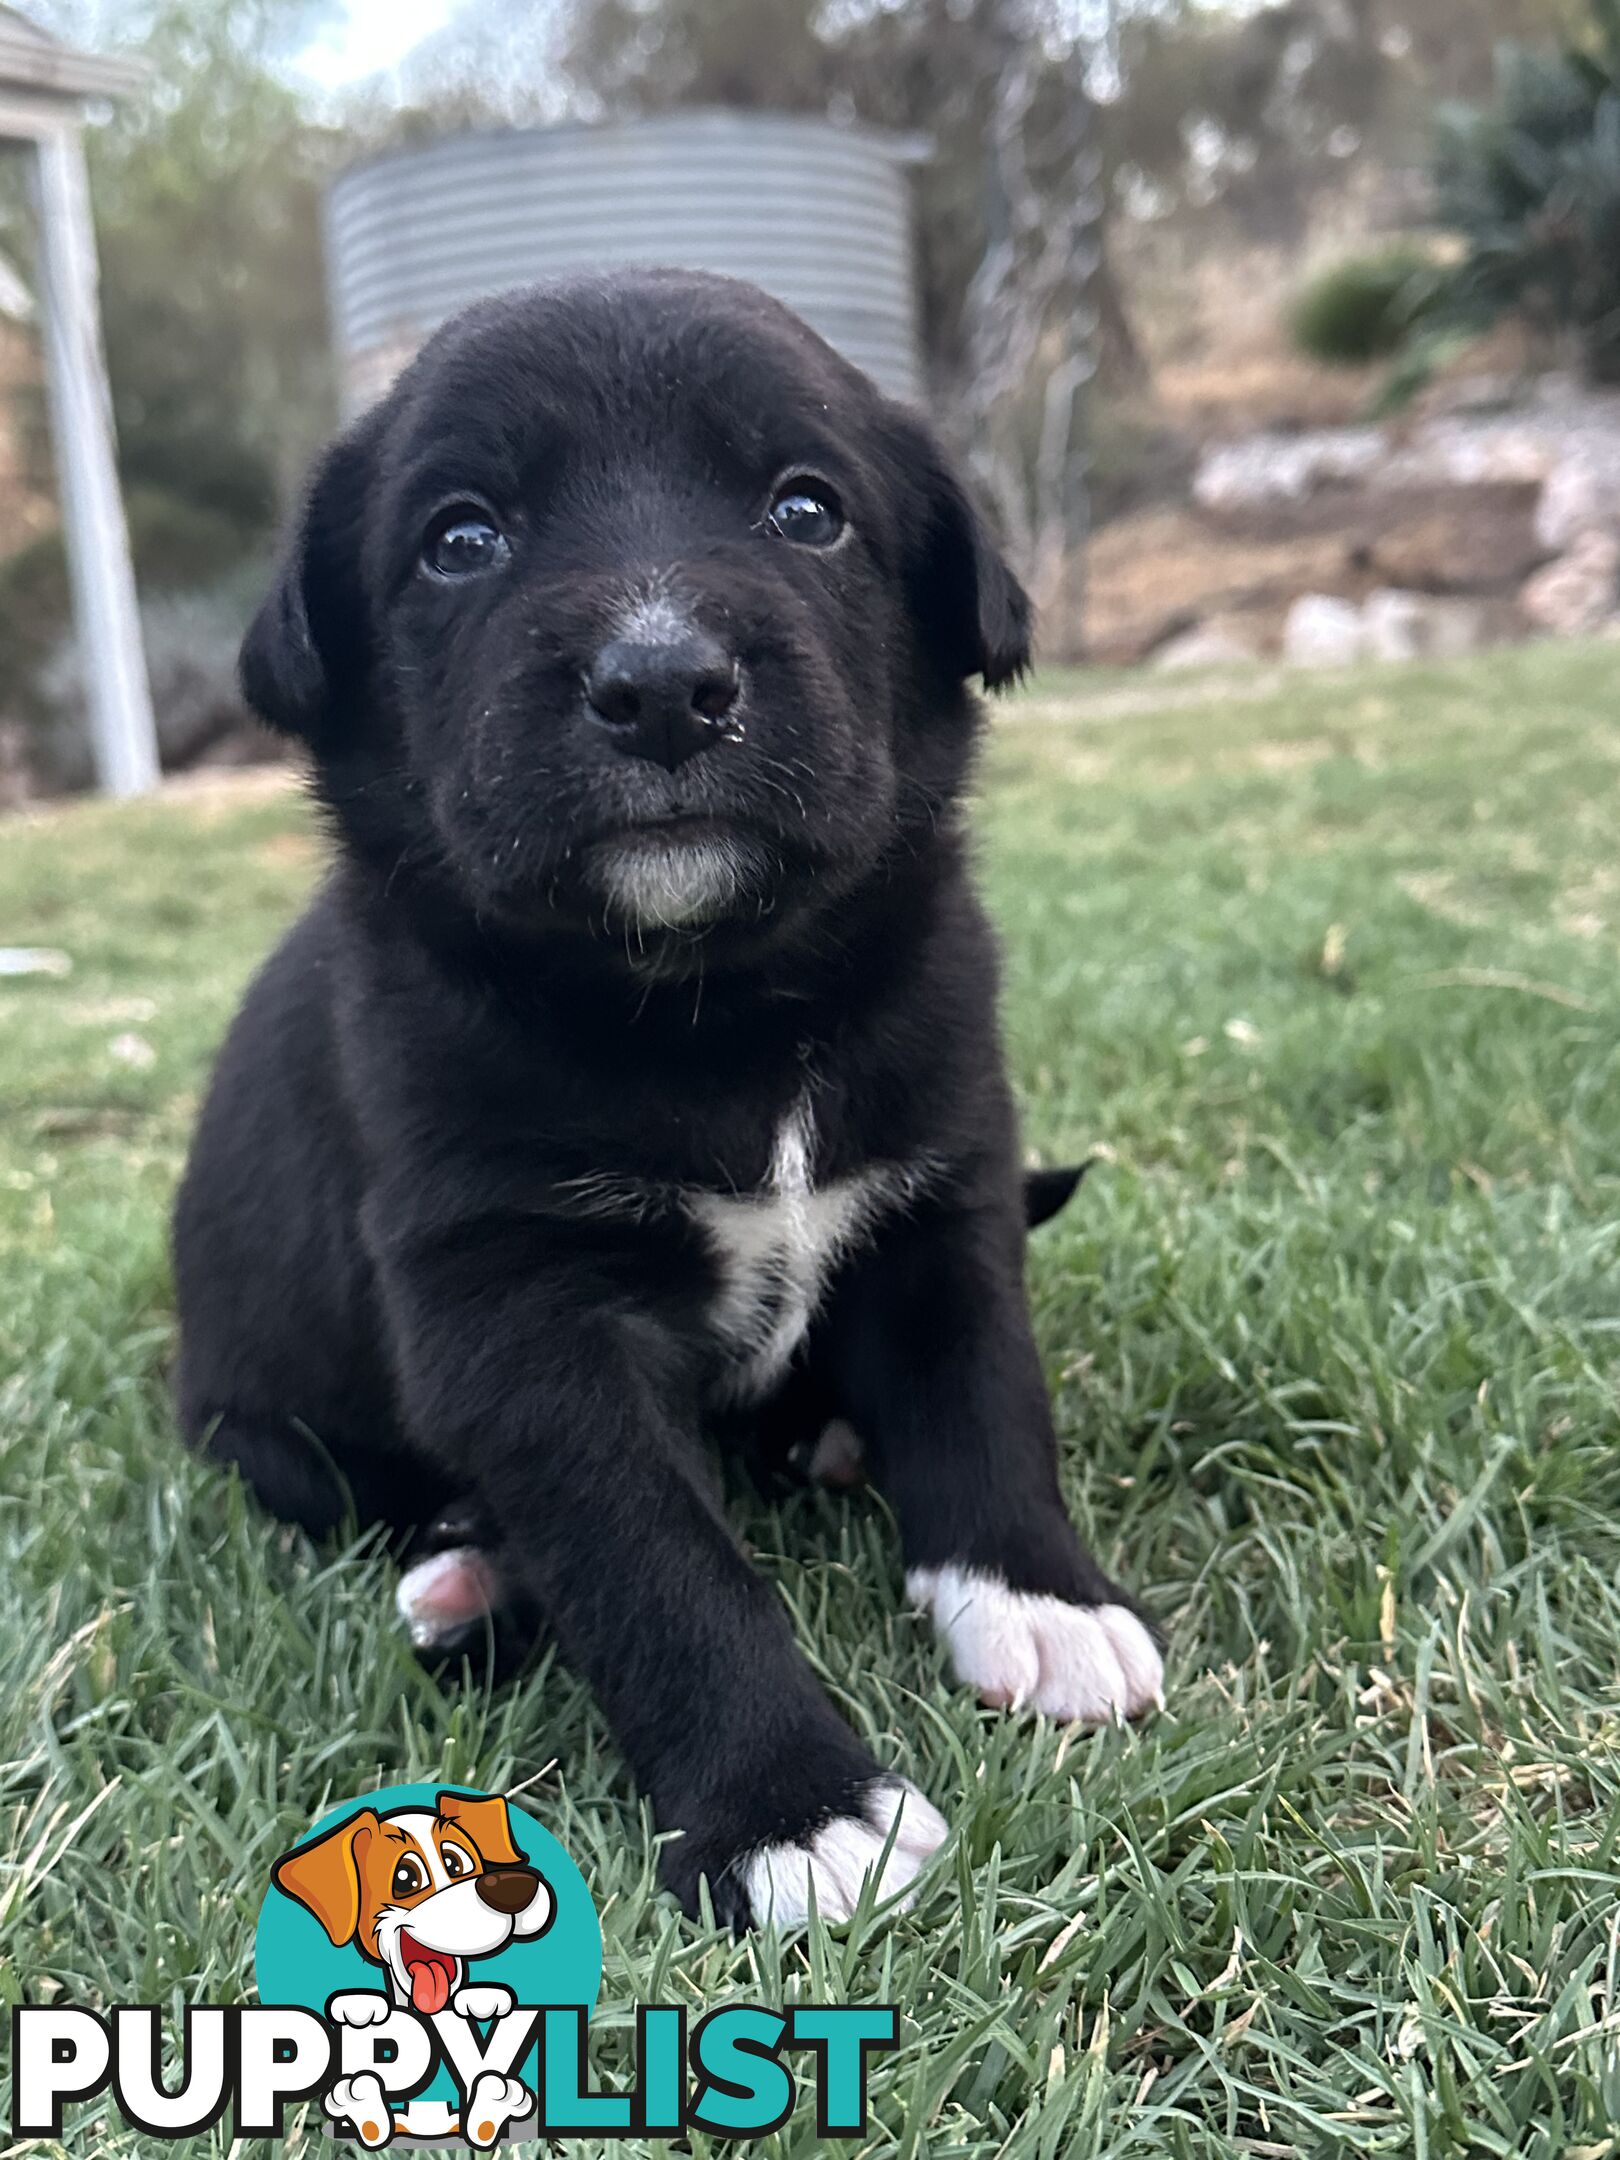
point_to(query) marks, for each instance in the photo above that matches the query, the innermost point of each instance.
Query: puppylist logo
(427, 1962)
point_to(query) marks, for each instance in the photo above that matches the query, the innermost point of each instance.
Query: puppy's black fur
(446, 1234)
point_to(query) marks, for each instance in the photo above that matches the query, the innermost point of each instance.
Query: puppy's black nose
(508, 1889)
(664, 701)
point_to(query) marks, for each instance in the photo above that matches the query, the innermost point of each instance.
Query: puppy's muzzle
(508, 1889)
(668, 700)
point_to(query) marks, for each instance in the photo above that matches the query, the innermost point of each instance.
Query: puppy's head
(421, 1891)
(635, 610)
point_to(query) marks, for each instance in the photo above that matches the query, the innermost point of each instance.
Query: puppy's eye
(409, 1877)
(464, 542)
(807, 512)
(456, 1863)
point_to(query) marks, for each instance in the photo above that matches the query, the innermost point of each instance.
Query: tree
(1251, 115)
(1031, 320)
(207, 196)
(622, 55)
(1010, 204)
(1531, 181)
(1528, 179)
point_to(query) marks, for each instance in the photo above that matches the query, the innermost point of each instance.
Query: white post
(106, 617)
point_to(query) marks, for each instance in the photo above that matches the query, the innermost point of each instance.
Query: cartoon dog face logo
(421, 1892)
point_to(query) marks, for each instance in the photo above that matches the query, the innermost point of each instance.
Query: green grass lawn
(1327, 978)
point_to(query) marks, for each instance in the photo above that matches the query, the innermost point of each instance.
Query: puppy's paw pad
(445, 1593)
(360, 2009)
(362, 2102)
(1092, 1663)
(837, 1859)
(484, 2003)
(493, 2103)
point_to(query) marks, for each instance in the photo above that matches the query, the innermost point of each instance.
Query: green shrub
(1531, 182)
(1367, 307)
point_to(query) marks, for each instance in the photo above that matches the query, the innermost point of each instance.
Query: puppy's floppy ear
(306, 650)
(975, 611)
(325, 1877)
(487, 1823)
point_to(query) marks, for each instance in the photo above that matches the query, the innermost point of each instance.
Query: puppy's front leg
(567, 1419)
(936, 1364)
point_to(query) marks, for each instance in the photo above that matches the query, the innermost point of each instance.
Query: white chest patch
(776, 1249)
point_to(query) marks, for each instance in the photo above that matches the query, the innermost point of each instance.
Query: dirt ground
(1150, 576)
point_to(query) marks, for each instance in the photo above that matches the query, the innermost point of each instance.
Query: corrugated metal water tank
(817, 214)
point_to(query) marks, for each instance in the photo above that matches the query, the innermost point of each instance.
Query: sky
(368, 35)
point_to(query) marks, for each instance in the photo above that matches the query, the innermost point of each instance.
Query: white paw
(360, 2009)
(483, 2003)
(440, 1596)
(840, 1856)
(838, 1459)
(361, 2101)
(1020, 1651)
(493, 2102)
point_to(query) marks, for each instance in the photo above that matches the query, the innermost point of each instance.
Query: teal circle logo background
(296, 1963)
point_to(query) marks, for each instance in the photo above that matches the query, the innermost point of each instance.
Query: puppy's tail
(1048, 1192)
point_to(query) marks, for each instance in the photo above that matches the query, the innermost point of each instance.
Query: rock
(1286, 468)
(1563, 437)
(1450, 452)
(1579, 592)
(1154, 575)
(1453, 540)
(1323, 632)
(1573, 501)
(1416, 626)
(1211, 645)
(1392, 625)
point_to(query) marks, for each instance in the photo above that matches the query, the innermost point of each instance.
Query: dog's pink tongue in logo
(431, 1975)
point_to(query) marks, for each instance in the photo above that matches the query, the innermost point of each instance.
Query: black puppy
(639, 1059)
